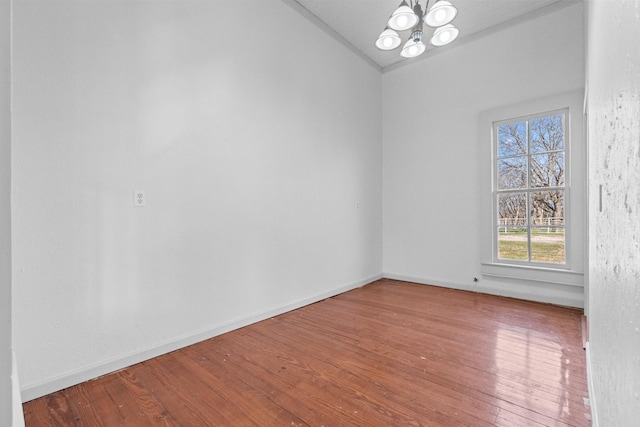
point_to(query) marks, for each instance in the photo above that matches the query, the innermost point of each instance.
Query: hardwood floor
(388, 354)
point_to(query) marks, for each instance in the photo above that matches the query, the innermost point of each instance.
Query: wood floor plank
(102, 404)
(81, 399)
(131, 413)
(389, 353)
(168, 390)
(206, 393)
(59, 409)
(81, 403)
(217, 358)
(144, 399)
(36, 413)
(239, 404)
(200, 404)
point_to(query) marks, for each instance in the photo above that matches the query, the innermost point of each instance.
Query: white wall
(432, 192)
(5, 214)
(256, 138)
(613, 78)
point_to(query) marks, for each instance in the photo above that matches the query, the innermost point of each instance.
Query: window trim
(528, 190)
(572, 272)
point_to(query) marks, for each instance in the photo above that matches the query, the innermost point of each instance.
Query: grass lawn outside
(545, 247)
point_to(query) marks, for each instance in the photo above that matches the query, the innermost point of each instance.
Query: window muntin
(529, 189)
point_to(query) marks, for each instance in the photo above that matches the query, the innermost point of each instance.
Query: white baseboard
(592, 394)
(33, 391)
(423, 281)
(577, 302)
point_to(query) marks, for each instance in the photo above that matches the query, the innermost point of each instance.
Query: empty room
(320, 212)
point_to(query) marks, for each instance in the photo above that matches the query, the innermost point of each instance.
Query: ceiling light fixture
(407, 17)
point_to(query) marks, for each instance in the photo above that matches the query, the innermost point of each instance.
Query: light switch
(139, 199)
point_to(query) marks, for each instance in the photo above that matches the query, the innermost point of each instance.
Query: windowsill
(533, 273)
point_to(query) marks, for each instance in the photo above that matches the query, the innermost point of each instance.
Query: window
(529, 189)
(532, 204)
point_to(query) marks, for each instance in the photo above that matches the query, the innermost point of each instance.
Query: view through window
(530, 189)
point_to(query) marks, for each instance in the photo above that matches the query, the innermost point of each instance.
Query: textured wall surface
(614, 250)
(260, 156)
(5, 213)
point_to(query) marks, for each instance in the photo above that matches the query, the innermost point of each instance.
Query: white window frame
(528, 190)
(572, 272)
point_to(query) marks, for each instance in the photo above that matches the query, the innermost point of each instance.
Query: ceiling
(357, 23)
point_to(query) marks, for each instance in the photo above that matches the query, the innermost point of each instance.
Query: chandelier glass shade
(412, 48)
(388, 40)
(403, 18)
(444, 35)
(407, 17)
(441, 13)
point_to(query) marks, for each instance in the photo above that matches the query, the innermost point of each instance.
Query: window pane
(512, 173)
(512, 243)
(547, 244)
(547, 170)
(547, 208)
(512, 209)
(547, 133)
(512, 139)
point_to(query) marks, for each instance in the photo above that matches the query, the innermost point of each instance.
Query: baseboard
(423, 281)
(549, 299)
(33, 391)
(592, 393)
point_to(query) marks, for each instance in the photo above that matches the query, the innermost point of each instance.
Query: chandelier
(405, 17)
